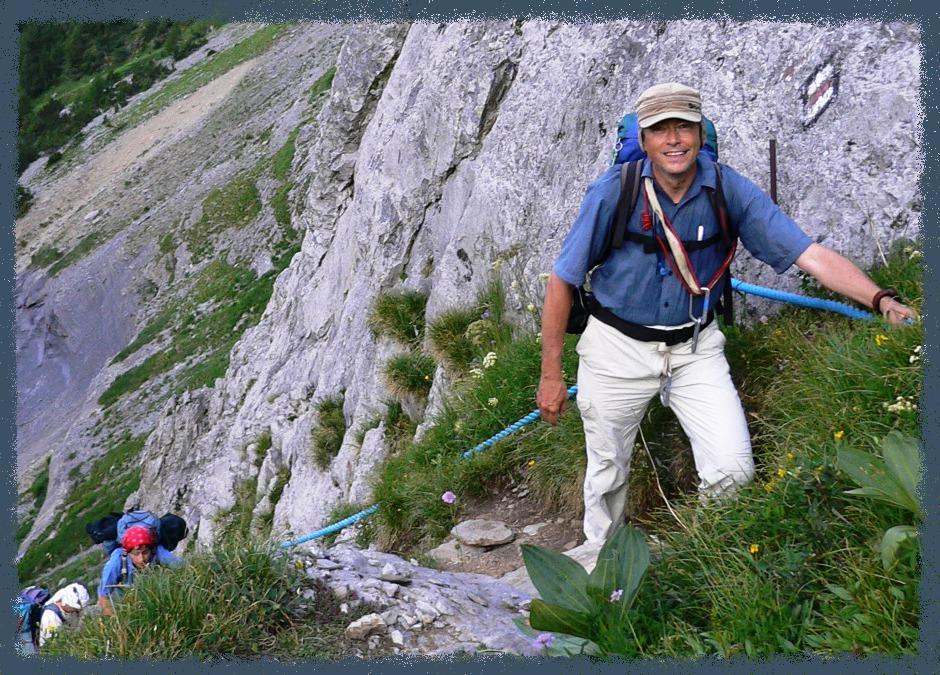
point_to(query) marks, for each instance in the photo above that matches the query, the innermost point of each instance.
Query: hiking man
(66, 602)
(649, 334)
(139, 547)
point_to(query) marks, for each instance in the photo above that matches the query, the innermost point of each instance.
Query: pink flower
(448, 497)
(616, 595)
(544, 640)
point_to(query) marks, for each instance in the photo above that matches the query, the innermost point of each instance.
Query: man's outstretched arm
(842, 276)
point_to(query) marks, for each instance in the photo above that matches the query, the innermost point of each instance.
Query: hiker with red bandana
(139, 549)
(650, 328)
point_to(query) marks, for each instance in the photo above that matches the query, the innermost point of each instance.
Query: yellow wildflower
(781, 472)
(839, 435)
(791, 456)
(880, 339)
(770, 485)
(754, 549)
(530, 463)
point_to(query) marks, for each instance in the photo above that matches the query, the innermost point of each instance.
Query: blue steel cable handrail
(736, 284)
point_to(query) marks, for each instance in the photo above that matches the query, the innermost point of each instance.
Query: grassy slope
(815, 583)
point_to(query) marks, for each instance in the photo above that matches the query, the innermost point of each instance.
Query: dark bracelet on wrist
(881, 295)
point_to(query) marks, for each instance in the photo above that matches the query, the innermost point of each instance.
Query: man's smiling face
(672, 146)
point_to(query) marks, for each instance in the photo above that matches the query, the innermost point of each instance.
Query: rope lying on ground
(741, 286)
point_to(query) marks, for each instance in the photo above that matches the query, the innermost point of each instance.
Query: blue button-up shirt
(629, 283)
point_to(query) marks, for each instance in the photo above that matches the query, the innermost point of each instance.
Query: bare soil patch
(518, 509)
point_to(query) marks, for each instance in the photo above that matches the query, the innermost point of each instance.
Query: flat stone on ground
(479, 532)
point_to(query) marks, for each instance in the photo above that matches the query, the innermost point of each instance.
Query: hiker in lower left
(139, 549)
(66, 602)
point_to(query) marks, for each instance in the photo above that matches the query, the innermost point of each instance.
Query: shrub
(399, 317)
(410, 374)
(329, 431)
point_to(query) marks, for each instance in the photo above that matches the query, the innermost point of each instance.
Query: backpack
(109, 531)
(583, 304)
(627, 148)
(30, 604)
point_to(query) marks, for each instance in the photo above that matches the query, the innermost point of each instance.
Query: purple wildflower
(616, 595)
(485, 315)
(544, 640)
(448, 497)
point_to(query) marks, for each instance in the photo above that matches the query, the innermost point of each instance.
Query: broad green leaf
(871, 473)
(902, 458)
(621, 564)
(545, 616)
(558, 578)
(892, 539)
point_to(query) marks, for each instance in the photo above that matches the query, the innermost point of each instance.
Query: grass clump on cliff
(790, 565)
(237, 601)
(327, 435)
(399, 316)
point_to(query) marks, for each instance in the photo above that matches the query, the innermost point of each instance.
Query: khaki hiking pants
(617, 377)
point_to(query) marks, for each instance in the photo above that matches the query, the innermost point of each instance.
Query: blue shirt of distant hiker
(113, 577)
(629, 282)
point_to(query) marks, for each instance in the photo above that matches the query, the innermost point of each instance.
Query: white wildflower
(489, 360)
(901, 404)
(530, 307)
(543, 277)
(514, 285)
(492, 402)
(476, 373)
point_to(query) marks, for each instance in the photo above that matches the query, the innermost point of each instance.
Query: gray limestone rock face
(439, 613)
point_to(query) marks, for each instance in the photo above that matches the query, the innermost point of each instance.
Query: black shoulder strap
(630, 174)
(717, 196)
(729, 233)
(123, 577)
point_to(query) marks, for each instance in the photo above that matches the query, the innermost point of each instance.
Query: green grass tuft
(238, 601)
(327, 435)
(410, 374)
(399, 316)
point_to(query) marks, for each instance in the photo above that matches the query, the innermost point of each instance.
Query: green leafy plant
(892, 480)
(592, 606)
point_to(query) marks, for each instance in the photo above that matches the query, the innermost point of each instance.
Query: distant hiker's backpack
(109, 531)
(627, 147)
(29, 607)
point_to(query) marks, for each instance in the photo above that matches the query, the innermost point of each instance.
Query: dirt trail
(80, 188)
